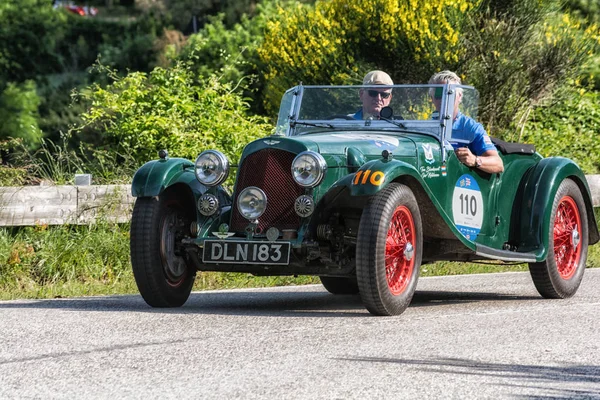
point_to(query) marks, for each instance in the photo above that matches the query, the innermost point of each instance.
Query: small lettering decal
(428, 171)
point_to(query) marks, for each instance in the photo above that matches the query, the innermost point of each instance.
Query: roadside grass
(68, 261)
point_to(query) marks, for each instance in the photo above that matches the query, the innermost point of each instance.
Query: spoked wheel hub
(174, 265)
(567, 236)
(399, 250)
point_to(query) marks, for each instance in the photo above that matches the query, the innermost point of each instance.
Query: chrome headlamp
(308, 168)
(211, 168)
(252, 203)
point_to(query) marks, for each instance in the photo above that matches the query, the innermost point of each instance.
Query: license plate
(245, 252)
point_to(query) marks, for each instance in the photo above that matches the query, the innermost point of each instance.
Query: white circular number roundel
(467, 207)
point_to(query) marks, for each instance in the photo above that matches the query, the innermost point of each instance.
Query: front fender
(356, 185)
(539, 189)
(377, 174)
(157, 175)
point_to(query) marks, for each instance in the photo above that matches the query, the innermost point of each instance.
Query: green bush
(518, 54)
(228, 52)
(568, 128)
(338, 41)
(231, 52)
(169, 108)
(30, 32)
(19, 113)
(10, 176)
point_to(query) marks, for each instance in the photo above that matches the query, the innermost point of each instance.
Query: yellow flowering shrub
(337, 41)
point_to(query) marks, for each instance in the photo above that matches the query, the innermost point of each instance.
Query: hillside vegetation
(102, 94)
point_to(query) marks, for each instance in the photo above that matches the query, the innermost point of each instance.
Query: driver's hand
(466, 157)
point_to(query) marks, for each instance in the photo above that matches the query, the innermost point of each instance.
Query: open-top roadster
(360, 203)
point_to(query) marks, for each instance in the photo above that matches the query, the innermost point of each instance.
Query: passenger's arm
(490, 160)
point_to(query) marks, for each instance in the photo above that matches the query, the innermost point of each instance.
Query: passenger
(480, 152)
(373, 100)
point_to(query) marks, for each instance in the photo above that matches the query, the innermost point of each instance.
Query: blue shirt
(358, 114)
(467, 128)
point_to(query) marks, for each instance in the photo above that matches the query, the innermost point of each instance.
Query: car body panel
(152, 178)
(467, 214)
(539, 190)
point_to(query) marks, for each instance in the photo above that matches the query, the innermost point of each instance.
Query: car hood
(370, 144)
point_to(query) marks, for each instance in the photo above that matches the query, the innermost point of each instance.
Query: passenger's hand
(466, 157)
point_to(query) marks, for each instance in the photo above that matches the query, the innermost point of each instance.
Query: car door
(471, 199)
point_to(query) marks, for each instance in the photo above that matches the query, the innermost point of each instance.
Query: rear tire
(560, 275)
(162, 275)
(339, 285)
(388, 251)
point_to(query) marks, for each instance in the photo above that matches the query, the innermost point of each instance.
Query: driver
(480, 152)
(374, 99)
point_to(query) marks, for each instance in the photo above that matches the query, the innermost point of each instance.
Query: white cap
(377, 78)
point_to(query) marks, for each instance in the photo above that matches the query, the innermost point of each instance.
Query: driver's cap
(377, 78)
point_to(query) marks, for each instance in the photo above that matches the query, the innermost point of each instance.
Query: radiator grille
(269, 170)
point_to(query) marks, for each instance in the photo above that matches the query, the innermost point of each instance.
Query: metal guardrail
(58, 205)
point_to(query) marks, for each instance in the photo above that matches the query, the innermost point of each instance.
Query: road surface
(471, 336)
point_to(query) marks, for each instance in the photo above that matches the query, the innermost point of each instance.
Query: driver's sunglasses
(439, 92)
(375, 93)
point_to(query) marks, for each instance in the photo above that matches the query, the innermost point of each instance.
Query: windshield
(416, 108)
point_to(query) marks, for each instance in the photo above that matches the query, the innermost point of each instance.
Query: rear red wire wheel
(559, 275)
(567, 237)
(399, 249)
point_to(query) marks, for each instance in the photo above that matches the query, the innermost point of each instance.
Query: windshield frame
(287, 124)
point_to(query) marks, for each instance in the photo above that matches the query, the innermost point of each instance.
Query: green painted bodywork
(154, 176)
(506, 197)
(539, 190)
(514, 208)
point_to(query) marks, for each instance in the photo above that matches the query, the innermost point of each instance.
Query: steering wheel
(341, 116)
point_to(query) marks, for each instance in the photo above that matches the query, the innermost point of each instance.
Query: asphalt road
(476, 336)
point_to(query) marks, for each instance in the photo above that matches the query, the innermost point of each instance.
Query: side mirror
(386, 113)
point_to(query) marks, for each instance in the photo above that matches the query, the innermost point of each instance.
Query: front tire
(389, 250)
(162, 275)
(560, 275)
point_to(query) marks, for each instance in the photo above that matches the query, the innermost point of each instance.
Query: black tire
(389, 291)
(163, 277)
(559, 276)
(335, 285)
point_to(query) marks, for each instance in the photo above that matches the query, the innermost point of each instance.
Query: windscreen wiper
(319, 125)
(386, 114)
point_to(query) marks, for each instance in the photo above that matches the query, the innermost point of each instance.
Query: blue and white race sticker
(467, 207)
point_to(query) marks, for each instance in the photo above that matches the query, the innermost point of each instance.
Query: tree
(19, 114)
(30, 31)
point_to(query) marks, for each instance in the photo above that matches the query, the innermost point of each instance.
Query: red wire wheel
(399, 250)
(560, 274)
(389, 250)
(567, 237)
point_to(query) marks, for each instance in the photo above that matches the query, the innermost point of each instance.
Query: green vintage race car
(361, 203)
